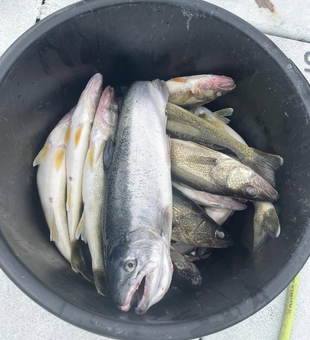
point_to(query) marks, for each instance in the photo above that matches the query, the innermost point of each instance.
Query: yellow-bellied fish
(77, 141)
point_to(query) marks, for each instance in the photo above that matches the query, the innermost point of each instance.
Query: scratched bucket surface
(41, 77)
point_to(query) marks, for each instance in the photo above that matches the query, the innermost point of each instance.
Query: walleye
(186, 275)
(214, 172)
(265, 215)
(208, 200)
(218, 120)
(139, 200)
(91, 223)
(77, 140)
(184, 125)
(191, 225)
(51, 181)
(198, 90)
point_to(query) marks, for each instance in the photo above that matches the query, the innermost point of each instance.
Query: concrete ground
(288, 24)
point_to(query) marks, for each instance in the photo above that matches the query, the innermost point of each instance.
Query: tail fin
(78, 262)
(265, 164)
(266, 217)
(101, 282)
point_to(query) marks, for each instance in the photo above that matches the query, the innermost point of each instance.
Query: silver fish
(77, 140)
(51, 181)
(91, 223)
(209, 200)
(139, 201)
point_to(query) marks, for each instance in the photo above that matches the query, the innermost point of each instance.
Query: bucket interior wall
(144, 41)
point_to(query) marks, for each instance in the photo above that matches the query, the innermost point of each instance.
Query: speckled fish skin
(191, 225)
(209, 200)
(184, 125)
(186, 275)
(51, 181)
(91, 224)
(139, 200)
(265, 216)
(77, 140)
(198, 90)
(211, 171)
(213, 119)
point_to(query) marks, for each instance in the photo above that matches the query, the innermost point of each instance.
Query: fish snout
(262, 190)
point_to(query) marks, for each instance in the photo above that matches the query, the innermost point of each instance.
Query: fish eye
(220, 234)
(130, 265)
(251, 192)
(179, 265)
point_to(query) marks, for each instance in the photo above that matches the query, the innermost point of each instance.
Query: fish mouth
(265, 192)
(139, 292)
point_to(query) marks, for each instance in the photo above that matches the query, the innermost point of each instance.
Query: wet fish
(51, 181)
(139, 201)
(200, 254)
(184, 125)
(214, 172)
(217, 116)
(219, 215)
(186, 275)
(265, 215)
(190, 224)
(77, 140)
(182, 248)
(198, 90)
(254, 236)
(209, 200)
(218, 120)
(91, 223)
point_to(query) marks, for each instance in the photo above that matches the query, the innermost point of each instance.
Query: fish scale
(139, 200)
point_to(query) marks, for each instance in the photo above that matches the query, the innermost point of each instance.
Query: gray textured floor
(22, 319)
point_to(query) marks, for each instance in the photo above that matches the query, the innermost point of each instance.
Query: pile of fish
(147, 181)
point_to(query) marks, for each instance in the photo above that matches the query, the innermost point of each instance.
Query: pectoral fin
(108, 153)
(54, 233)
(77, 135)
(59, 158)
(166, 223)
(41, 155)
(68, 199)
(81, 229)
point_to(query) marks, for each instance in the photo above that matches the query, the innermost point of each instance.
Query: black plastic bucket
(41, 77)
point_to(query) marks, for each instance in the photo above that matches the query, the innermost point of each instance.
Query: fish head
(212, 86)
(221, 238)
(244, 181)
(91, 94)
(107, 111)
(186, 275)
(139, 270)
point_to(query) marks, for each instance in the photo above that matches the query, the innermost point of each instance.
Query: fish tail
(78, 263)
(101, 282)
(266, 216)
(265, 164)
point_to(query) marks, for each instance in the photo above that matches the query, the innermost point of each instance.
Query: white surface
(289, 19)
(22, 319)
